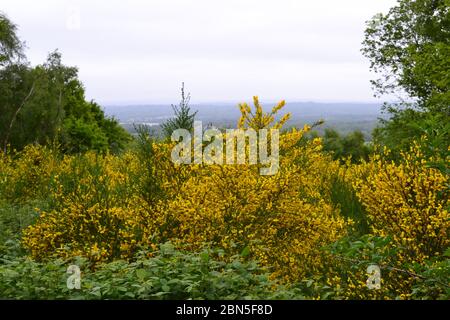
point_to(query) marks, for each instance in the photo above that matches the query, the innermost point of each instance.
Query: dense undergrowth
(141, 227)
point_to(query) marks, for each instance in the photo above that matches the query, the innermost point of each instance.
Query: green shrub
(169, 274)
(13, 219)
(346, 275)
(433, 282)
(343, 196)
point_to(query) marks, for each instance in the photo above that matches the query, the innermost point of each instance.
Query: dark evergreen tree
(184, 117)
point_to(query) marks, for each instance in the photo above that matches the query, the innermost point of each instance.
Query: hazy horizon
(344, 117)
(265, 103)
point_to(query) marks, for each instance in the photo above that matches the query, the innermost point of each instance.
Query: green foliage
(184, 118)
(347, 269)
(149, 184)
(16, 86)
(409, 48)
(362, 251)
(86, 127)
(433, 129)
(434, 279)
(169, 274)
(352, 145)
(117, 137)
(343, 196)
(46, 104)
(348, 262)
(11, 48)
(13, 219)
(80, 136)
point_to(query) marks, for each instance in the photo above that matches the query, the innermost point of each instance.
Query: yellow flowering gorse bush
(100, 211)
(105, 206)
(408, 201)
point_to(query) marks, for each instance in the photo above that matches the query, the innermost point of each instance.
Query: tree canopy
(46, 103)
(11, 48)
(409, 49)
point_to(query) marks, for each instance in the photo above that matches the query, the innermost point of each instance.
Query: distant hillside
(344, 117)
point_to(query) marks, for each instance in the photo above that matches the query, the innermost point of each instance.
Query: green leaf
(141, 273)
(166, 288)
(447, 252)
(245, 252)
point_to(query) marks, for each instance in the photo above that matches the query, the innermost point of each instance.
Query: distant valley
(344, 117)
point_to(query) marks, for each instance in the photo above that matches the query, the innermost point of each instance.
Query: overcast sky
(224, 50)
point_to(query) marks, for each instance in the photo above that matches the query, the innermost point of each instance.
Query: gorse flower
(107, 207)
(259, 119)
(409, 201)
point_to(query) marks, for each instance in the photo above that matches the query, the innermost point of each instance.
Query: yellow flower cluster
(408, 201)
(283, 219)
(26, 176)
(100, 209)
(96, 211)
(108, 206)
(258, 119)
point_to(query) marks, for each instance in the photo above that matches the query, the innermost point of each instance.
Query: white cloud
(224, 50)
